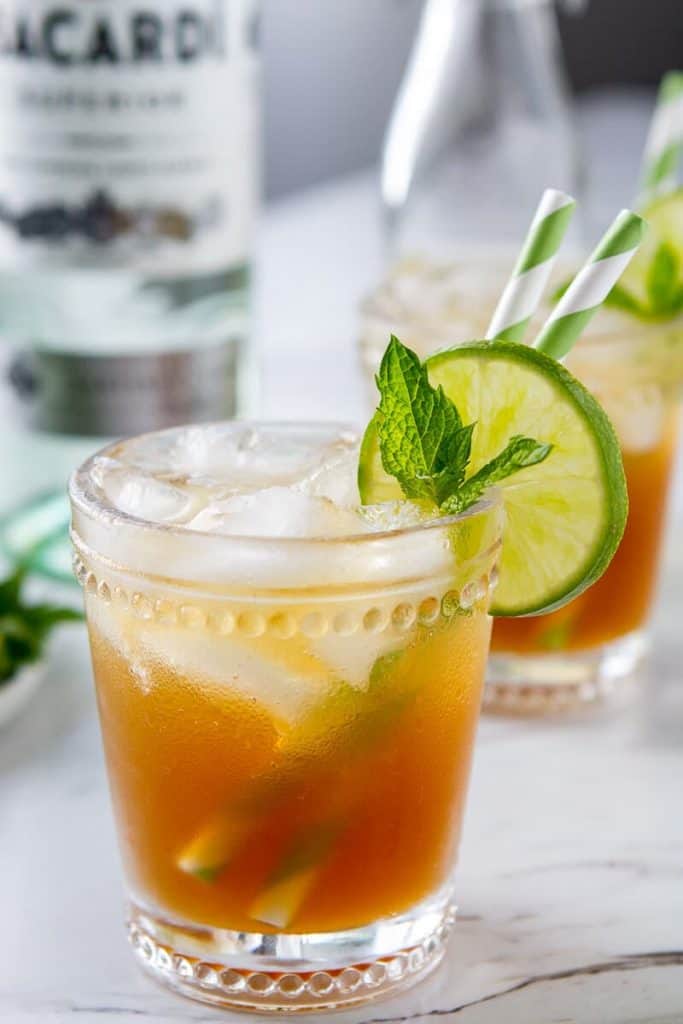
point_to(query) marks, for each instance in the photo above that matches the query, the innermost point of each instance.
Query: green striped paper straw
(592, 285)
(524, 290)
(665, 141)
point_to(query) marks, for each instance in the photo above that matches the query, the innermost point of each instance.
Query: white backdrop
(332, 68)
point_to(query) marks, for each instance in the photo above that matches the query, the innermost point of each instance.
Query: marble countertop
(571, 878)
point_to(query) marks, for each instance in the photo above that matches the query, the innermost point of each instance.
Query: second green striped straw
(592, 285)
(524, 290)
(665, 142)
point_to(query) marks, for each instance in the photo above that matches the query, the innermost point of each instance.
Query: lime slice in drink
(665, 220)
(564, 517)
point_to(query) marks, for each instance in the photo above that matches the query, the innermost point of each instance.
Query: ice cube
(336, 478)
(275, 457)
(351, 658)
(236, 459)
(190, 452)
(395, 515)
(422, 553)
(276, 512)
(639, 417)
(269, 676)
(141, 495)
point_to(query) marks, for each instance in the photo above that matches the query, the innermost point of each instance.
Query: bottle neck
(508, 5)
(565, 6)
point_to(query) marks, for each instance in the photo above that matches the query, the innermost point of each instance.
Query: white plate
(15, 694)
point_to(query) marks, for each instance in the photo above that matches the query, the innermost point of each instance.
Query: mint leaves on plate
(424, 443)
(24, 628)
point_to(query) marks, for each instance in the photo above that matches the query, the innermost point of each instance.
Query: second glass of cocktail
(631, 359)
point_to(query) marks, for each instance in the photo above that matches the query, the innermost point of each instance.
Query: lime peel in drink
(293, 879)
(349, 720)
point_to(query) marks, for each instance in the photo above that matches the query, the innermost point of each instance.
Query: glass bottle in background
(481, 124)
(129, 174)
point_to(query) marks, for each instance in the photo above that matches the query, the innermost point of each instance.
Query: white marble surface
(571, 878)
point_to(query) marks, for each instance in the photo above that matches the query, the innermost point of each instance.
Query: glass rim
(87, 501)
(622, 330)
(167, 551)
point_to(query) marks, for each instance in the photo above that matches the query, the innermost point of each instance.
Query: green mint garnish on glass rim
(424, 443)
(499, 413)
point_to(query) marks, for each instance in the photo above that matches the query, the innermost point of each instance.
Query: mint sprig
(424, 443)
(24, 628)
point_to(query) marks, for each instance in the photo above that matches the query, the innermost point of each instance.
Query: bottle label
(128, 134)
(115, 395)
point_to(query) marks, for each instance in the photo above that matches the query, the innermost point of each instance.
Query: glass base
(546, 683)
(292, 973)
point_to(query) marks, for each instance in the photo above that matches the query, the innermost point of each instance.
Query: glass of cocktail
(579, 653)
(634, 366)
(631, 359)
(288, 693)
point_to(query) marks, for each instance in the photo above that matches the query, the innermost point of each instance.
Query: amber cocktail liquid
(288, 689)
(578, 653)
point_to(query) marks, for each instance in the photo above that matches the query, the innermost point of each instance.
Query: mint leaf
(24, 628)
(10, 590)
(41, 619)
(456, 453)
(619, 298)
(422, 440)
(663, 279)
(519, 453)
(18, 642)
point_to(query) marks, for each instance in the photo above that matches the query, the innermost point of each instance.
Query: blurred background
(332, 71)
